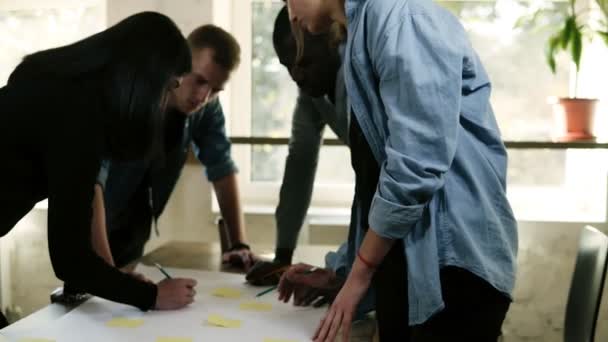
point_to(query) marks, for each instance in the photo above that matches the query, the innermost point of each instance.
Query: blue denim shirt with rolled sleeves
(421, 96)
(204, 131)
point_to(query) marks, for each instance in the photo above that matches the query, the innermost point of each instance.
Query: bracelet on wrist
(366, 262)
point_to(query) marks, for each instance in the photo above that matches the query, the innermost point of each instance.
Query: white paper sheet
(87, 323)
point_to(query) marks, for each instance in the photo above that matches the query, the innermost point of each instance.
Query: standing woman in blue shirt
(432, 232)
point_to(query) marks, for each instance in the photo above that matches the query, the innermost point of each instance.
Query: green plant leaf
(604, 36)
(551, 50)
(576, 47)
(566, 32)
(531, 19)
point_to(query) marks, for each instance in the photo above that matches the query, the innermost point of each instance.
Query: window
(564, 185)
(30, 26)
(273, 95)
(263, 107)
(543, 184)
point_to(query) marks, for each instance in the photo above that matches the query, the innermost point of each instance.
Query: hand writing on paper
(175, 293)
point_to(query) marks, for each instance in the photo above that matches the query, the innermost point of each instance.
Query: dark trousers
(474, 310)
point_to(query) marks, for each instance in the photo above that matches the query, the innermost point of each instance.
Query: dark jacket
(51, 149)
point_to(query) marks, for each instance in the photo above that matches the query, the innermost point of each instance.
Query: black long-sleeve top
(51, 144)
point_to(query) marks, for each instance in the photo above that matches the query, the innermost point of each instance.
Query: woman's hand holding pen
(175, 293)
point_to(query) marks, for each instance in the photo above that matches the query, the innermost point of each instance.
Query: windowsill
(512, 144)
(321, 216)
(341, 216)
(316, 215)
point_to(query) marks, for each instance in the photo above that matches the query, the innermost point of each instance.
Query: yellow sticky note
(256, 306)
(121, 322)
(277, 340)
(173, 339)
(36, 340)
(227, 292)
(220, 321)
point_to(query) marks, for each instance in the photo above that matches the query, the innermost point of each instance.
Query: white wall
(187, 14)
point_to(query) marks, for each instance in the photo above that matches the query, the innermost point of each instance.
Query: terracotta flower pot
(574, 118)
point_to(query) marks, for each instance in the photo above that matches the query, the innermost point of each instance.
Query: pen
(266, 291)
(162, 270)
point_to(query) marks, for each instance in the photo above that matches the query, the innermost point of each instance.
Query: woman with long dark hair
(62, 112)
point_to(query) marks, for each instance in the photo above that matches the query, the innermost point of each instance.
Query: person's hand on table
(309, 285)
(266, 273)
(175, 293)
(341, 312)
(241, 256)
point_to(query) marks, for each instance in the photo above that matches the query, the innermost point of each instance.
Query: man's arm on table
(213, 149)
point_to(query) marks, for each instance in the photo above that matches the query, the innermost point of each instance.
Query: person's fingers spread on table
(325, 325)
(335, 326)
(285, 288)
(346, 325)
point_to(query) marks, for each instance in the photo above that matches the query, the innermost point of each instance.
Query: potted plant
(574, 115)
